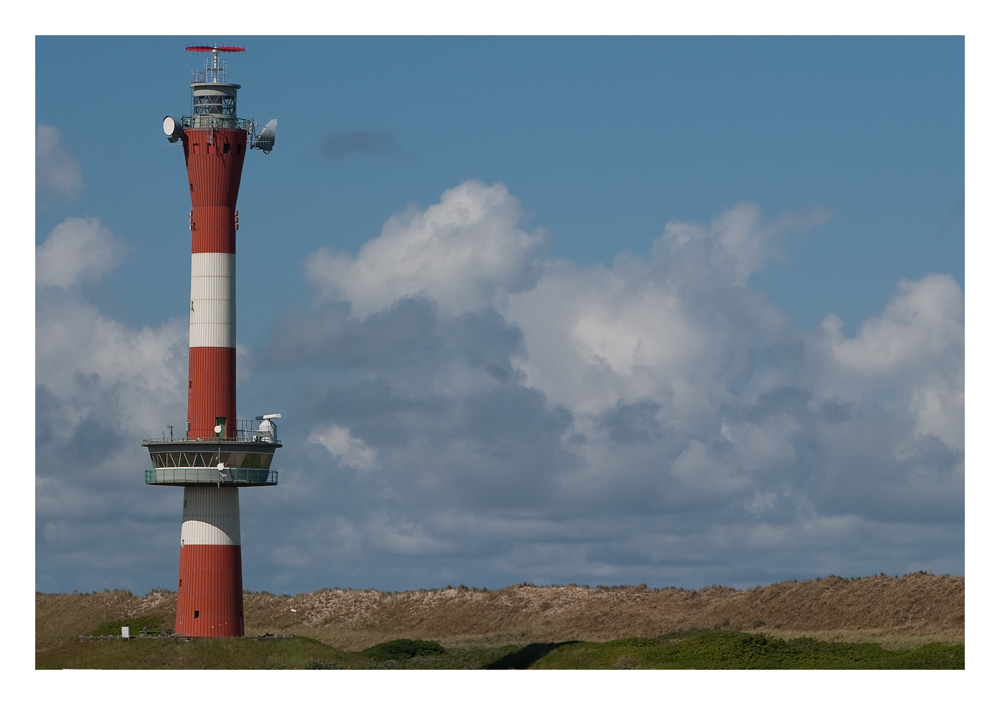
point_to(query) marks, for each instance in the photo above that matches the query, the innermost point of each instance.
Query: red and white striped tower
(216, 457)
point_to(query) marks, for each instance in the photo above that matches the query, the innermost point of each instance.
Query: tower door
(220, 427)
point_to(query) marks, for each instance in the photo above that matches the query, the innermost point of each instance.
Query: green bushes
(325, 666)
(403, 650)
(705, 650)
(738, 650)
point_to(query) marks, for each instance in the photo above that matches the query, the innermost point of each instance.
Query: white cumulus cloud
(913, 351)
(923, 320)
(79, 250)
(678, 326)
(459, 252)
(341, 444)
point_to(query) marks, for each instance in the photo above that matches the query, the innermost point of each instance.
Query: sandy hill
(893, 611)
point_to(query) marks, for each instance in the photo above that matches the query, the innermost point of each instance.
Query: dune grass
(526, 625)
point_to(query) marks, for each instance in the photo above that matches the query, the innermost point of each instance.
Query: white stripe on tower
(213, 300)
(211, 516)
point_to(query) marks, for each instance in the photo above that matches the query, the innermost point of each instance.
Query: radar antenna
(215, 69)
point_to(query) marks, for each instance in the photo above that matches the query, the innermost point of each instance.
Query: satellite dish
(264, 140)
(218, 429)
(173, 128)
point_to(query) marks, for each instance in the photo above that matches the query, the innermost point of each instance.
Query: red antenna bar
(207, 48)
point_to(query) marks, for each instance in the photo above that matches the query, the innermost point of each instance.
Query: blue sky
(670, 310)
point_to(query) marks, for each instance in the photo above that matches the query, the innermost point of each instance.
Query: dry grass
(895, 612)
(59, 618)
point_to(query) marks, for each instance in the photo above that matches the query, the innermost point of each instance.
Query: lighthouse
(217, 454)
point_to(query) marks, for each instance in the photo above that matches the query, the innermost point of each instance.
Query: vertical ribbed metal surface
(214, 160)
(211, 516)
(210, 580)
(212, 390)
(214, 181)
(213, 300)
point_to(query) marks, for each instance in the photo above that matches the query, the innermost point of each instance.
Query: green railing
(210, 476)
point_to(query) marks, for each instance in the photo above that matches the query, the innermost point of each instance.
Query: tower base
(210, 583)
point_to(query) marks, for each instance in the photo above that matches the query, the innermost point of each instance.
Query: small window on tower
(196, 614)
(196, 148)
(225, 148)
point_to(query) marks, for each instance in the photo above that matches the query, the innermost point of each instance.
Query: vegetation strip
(874, 622)
(710, 650)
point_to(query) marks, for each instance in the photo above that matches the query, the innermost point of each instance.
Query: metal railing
(247, 431)
(210, 476)
(211, 122)
(210, 74)
(241, 437)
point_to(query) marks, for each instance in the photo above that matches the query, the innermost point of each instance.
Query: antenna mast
(214, 70)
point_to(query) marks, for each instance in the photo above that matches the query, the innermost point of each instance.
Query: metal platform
(195, 461)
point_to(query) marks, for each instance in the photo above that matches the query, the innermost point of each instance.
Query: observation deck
(241, 461)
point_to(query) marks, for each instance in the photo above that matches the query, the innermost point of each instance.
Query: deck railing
(247, 431)
(208, 122)
(211, 476)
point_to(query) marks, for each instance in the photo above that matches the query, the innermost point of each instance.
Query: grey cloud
(653, 421)
(497, 372)
(381, 143)
(329, 336)
(698, 432)
(631, 423)
(101, 387)
(409, 331)
(58, 177)
(868, 468)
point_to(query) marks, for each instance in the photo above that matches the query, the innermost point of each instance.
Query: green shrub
(403, 650)
(738, 650)
(325, 666)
